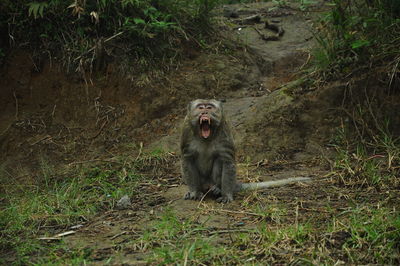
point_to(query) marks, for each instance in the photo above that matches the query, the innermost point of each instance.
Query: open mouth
(205, 126)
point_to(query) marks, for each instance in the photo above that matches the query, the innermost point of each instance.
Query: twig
(253, 19)
(101, 129)
(49, 238)
(240, 27)
(202, 198)
(236, 212)
(308, 60)
(16, 105)
(393, 74)
(230, 231)
(140, 150)
(5, 131)
(65, 233)
(117, 235)
(41, 139)
(94, 160)
(58, 236)
(94, 47)
(54, 110)
(186, 257)
(312, 210)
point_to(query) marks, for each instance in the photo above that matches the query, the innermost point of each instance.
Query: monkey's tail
(269, 184)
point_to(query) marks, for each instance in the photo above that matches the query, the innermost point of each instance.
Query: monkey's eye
(201, 106)
(209, 107)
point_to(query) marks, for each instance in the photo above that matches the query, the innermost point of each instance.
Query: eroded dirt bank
(45, 111)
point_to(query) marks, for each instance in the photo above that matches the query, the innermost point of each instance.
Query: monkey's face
(205, 116)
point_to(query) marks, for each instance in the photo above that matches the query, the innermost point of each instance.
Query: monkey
(208, 154)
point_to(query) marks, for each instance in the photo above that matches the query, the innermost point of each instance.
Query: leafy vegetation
(357, 35)
(358, 44)
(86, 31)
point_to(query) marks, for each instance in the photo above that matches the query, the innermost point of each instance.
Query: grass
(367, 162)
(358, 45)
(362, 227)
(371, 237)
(375, 230)
(170, 240)
(59, 200)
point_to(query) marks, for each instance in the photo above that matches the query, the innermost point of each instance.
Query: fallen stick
(236, 212)
(58, 236)
(254, 19)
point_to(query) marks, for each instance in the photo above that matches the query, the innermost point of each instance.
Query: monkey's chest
(204, 165)
(204, 161)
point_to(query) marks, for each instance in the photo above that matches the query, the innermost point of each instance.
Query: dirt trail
(279, 141)
(269, 120)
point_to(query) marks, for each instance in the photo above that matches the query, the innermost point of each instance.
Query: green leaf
(360, 43)
(139, 21)
(36, 9)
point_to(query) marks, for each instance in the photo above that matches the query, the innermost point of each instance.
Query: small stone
(124, 203)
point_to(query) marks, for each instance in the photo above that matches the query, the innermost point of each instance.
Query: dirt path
(272, 140)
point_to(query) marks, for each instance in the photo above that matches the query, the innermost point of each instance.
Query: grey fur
(208, 160)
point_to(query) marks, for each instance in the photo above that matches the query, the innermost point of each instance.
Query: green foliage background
(358, 34)
(154, 28)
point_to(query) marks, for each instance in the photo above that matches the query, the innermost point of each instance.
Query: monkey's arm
(229, 184)
(192, 178)
(269, 184)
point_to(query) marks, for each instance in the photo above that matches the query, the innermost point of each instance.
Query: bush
(357, 34)
(150, 28)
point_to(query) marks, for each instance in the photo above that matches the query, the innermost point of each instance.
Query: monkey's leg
(216, 177)
(193, 179)
(228, 181)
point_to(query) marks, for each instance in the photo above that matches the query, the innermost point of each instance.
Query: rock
(124, 203)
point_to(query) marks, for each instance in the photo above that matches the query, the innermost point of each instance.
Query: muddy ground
(280, 130)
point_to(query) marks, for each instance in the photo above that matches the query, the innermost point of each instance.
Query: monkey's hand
(193, 195)
(225, 199)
